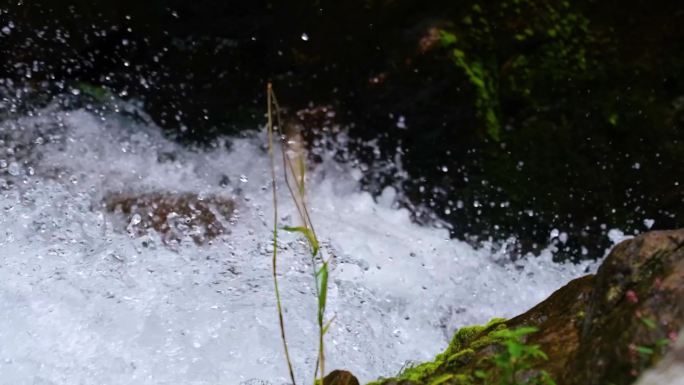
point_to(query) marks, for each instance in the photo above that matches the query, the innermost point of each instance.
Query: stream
(83, 301)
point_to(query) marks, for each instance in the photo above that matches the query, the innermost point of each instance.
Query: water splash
(82, 302)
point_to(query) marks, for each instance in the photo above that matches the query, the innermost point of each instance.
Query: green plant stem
(281, 320)
(306, 219)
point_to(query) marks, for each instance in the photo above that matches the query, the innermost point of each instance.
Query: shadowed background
(546, 120)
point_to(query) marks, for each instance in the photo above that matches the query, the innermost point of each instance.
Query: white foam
(83, 304)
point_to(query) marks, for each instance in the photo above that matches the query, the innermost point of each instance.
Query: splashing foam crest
(85, 303)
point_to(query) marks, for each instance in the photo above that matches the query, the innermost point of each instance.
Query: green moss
(471, 335)
(461, 357)
(477, 355)
(99, 93)
(461, 351)
(529, 46)
(441, 379)
(482, 75)
(422, 371)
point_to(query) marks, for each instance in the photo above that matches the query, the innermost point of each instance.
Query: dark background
(559, 115)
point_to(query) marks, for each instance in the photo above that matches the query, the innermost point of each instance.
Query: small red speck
(632, 296)
(657, 283)
(672, 336)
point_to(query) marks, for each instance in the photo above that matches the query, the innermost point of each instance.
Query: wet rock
(636, 303)
(174, 216)
(599, 329)
(340, 377)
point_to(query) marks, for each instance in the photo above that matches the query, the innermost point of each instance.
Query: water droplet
(136, 219)
(14, 169)
(648, 223)
(305, 37)
(401, 123)
(554, 233)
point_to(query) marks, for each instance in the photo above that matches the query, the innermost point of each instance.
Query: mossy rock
(599, 329)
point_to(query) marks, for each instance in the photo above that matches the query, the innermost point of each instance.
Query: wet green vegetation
(490, 354)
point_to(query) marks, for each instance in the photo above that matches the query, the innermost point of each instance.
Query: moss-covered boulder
(599, 329)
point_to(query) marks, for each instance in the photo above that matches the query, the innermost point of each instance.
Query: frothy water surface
(82, 302)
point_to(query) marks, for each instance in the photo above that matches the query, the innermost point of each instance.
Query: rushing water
(82, 302)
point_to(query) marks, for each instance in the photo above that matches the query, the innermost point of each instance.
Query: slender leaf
(281, 321)
(649, 322)
(644, 350)
(327, 325)
(313, 242)
(323, 288)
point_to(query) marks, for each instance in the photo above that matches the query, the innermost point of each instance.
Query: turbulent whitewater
(82, 302)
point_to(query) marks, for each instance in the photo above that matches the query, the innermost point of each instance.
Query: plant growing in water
(293, 172)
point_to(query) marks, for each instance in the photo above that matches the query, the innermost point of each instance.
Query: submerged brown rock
(599, 329)
(173, 215)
